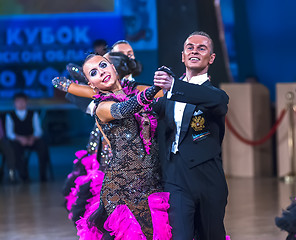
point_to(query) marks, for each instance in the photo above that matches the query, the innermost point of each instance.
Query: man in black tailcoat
(194, 113)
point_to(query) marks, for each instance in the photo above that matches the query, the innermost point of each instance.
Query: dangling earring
(93, 87)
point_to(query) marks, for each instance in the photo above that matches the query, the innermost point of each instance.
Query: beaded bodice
(131, 174)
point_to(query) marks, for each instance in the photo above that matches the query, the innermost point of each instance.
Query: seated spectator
(24, 130)
(7, 156)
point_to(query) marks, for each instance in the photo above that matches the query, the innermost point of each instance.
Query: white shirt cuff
(169, 95)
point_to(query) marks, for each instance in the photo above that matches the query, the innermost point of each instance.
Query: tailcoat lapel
(170, 113)
(187, 115)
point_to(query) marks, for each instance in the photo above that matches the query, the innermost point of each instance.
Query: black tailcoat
(195, 175)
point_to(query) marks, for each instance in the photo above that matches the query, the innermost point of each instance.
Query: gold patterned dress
(132, 202)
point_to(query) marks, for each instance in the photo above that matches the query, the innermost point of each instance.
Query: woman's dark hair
(123, 64)
(138, 69)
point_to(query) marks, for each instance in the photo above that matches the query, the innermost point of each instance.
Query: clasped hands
(26, 140)
(163, 78)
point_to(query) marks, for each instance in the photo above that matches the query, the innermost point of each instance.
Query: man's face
(124, 48)
(197, 54)
(20, 103)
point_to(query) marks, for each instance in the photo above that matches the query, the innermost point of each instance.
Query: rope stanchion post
(291, 177)
(271, 132)
(263, 139)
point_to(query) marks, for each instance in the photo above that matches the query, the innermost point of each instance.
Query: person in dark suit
(194, 113)
(23, 129)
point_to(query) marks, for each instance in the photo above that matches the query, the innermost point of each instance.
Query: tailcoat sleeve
(206, 96)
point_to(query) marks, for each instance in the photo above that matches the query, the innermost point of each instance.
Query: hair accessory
(76, 72)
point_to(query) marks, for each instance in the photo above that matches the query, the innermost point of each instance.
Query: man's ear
(212, 58)
(182, 56)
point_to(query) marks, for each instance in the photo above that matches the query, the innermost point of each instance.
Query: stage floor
(35, 211)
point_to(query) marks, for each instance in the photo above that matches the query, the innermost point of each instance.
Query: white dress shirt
(179, 107)
(22, 114)
(90, 108)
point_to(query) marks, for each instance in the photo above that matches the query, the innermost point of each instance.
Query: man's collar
(199, 79)
(21, 112)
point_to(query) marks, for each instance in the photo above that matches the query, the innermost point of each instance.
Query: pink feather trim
(91, 164)
(71, 199)
(74, 173)
(97, 178)
(82, 226)
(80, 153)
(159, 205)
(83, 230)
(123, 225)
(86, 233)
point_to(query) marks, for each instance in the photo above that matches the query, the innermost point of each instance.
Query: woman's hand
(69, 86)
(61, 83)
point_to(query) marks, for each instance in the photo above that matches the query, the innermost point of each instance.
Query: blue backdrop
(263, 38)
(34, 49)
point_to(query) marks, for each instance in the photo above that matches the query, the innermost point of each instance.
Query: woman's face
(101, 74)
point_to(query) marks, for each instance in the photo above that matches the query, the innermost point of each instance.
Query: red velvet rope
(262, 140)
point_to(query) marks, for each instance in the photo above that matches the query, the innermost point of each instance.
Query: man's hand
(31, 140)
(163, 79)
(23, 140)
(26, 140)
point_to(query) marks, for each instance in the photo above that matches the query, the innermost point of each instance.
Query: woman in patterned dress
(76, 189)
(131, 204)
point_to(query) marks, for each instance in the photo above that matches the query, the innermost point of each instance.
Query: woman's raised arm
(69, 86)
